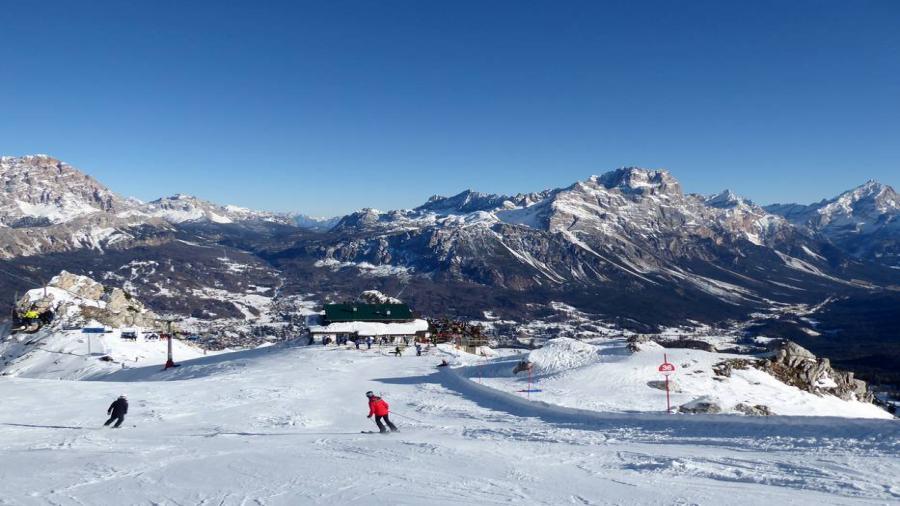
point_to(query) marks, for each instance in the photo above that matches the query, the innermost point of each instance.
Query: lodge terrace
(360, 321)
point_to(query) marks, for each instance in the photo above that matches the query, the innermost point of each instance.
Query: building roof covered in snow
(385, 313)
(372, 328)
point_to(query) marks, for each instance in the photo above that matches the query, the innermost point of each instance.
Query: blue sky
(326, 107)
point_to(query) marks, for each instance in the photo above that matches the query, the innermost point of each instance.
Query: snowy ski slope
(281, 425)
(602, 375)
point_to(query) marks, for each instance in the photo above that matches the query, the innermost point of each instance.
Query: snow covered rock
(753, 410)
(724, 368)
(705, 405)
(799, 367)
(82, 286)
(376, 297)
(672, 385)
(561, 354)
(76, 300)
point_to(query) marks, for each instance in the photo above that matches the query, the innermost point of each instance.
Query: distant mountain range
(863, 221)
(628, 245)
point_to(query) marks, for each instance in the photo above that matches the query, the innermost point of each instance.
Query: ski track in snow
(281, 425)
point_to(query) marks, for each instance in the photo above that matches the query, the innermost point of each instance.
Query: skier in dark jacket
(379, 407)
(117, 411)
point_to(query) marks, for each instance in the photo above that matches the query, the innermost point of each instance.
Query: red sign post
(666, 369)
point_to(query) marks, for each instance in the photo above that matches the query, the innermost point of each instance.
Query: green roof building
(382, 313)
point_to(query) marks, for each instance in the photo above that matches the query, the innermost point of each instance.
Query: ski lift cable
(405, 285)
(30, 281)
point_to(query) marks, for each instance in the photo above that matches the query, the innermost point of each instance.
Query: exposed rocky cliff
(799, 367)
(77, 300)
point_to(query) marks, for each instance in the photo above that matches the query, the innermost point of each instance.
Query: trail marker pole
(666, 369)
(668, 399)
(529, 382)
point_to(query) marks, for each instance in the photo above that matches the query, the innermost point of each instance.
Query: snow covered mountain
(49, 207)
(628, 246)
(317, 223)
(40, 190)
(865, 221)
(625, 230)
(182, 208)
(860, 210)
(619, 205)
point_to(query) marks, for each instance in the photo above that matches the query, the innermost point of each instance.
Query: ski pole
(407, 417)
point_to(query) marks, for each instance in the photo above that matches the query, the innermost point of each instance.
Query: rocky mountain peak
(853, 219)
(464, 202)
(40, 190)
(727, 199)
(317, 223)
(871, 202)
(179, 198)
(181, 208)
(366, 216)
(640, 181)
(880, 196)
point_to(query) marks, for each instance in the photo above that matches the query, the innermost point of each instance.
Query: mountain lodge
(350, 322)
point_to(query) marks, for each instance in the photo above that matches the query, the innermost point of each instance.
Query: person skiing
(379, 407)
(117, 411)
(398, 352)
(418, 349)
(368, 342)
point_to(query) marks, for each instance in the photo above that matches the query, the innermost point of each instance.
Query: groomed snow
(73, 354)
(605, 376)
(281, 426)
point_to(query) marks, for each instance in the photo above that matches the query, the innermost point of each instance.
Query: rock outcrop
(754, 410)
(799, 367)
(701, 405)
(376, 297)
(77, 300)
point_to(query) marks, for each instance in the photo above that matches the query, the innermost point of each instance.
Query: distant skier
(398, 352)
(117, 411)
(418, 349)
(368, 342)
(379, 407)
(356, 343)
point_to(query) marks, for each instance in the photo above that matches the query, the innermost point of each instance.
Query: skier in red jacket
(379, 407)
